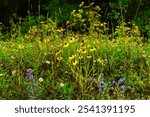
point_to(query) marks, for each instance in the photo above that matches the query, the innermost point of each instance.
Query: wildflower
(75, 62)
(129, 87)
(29, 76)
(113, 82)
(72, 40)
(66, 45)
(90, 79)
(40, 79)
(12, 57)
(122, 86)
(112, 88)
(60, 30)
(21, 46)
(71, 57)
(102, 86)
(89, 56)
(101, 82)
(83, 51)
(31, 86)
(99, 86)
(13, 72)
(59, 58)
(121, 80)
(34, 84)
(61, 84)
(48, 62)
(92, 49)
(29, 71)
(1, 74)
(80, 57)
(102, 74)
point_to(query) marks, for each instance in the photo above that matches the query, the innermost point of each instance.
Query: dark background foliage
(137, 11)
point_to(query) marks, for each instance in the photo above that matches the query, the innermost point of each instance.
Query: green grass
(96, 66)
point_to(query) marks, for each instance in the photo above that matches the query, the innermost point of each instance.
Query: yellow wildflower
(66, 45)
(80, 57)
(59, 58)
(83, 51)
(21, 46)
(75, 62)
(89, 56)
(92, 49)
(72, 40)
(71, 57)
(60, 30)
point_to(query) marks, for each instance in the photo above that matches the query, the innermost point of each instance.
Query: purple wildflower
(90, 79)
(121, 80)
(113, 82)
(102, 86)
(122, 86)
(102, 74)
(129, 87)
(101, 82)
(30, 71)
(112, 88)
(99, 86)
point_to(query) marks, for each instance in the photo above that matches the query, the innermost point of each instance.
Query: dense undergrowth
(50, 62)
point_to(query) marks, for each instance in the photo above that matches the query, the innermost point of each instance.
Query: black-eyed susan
(80, 57)
(92, 49)
(59, 58)
(71, 40)
(71, 57)
(89, 56)
(75, 62)
(60, 30)
(66, 45)
(21, 46)
(84, 51)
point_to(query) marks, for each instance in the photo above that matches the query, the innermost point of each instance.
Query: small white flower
(1, 74)
(12, 57)
(13, 72)
(48, 62)
(61, 84)
(40, 79)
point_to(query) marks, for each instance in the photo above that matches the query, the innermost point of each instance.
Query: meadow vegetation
(53, 62)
